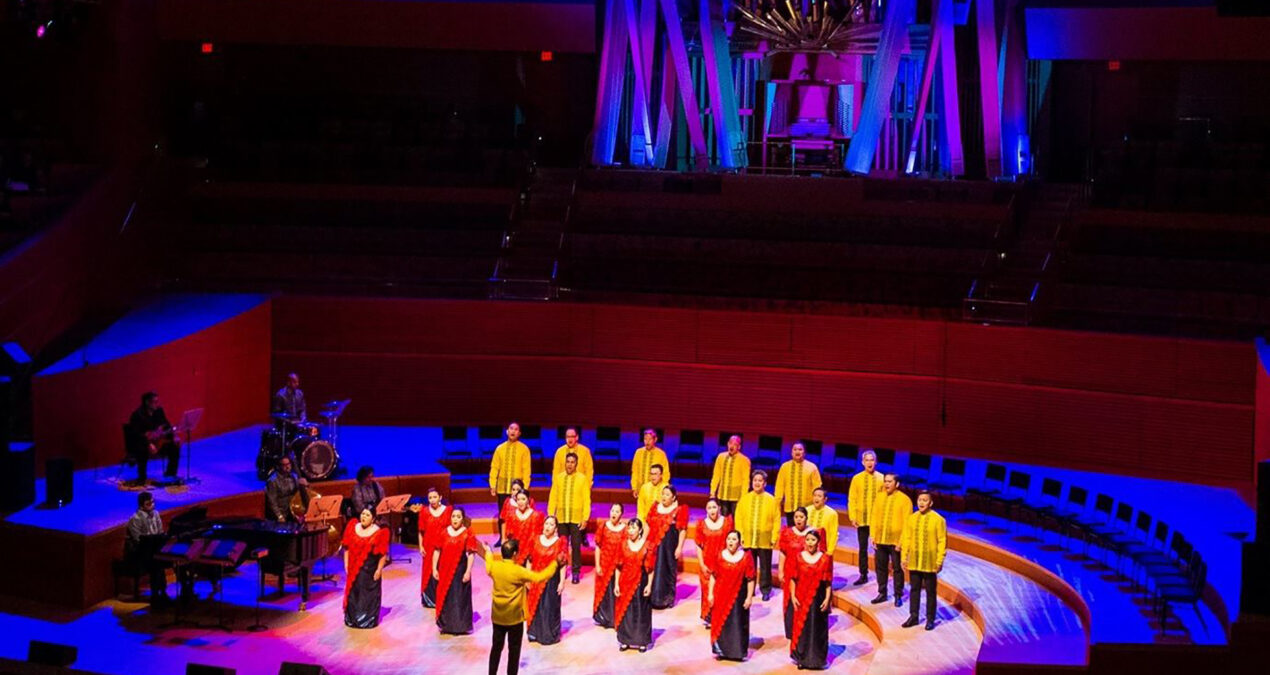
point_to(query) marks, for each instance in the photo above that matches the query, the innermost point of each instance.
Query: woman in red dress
(632, 586)
(452, 566)
(710, 535)
(542, 603)
(811, 585)
(433, 520)
(365, 552)
(731, 592)
(790, 545)
(517, 487)
(608, 539)
(667, 529)
(523, 524)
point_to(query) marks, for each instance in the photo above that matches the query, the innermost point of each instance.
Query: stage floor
(125, 638)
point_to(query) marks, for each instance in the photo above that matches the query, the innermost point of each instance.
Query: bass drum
(318, 459)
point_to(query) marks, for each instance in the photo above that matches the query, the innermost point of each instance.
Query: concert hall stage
(1010, 594)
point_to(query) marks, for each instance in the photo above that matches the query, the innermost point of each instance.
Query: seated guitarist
(149, 435)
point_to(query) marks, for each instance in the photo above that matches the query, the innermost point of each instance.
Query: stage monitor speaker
(59, 481)
(200, 669)
(50, 654)
(17, 476)
(289, 668)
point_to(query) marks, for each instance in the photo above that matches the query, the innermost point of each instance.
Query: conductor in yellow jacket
(923, 546)
(891, 509)
(758, 520)
(731, 477)
(644, 460)
(511, 461)
(508, 612)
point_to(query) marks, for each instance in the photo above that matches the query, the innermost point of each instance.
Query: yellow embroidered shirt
(888, 517)
(643, 461)
(794, 484)
(731, 477)
(827, 519)
(924, 542)
(570, 498)
(758, 520)
(864, 489)
(586, 464)
(511, 461)
(649, 494)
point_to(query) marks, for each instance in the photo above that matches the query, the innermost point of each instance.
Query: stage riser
(73, 570)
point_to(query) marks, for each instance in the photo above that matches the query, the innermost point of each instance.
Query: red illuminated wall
(1262, 434)
(1127, 404)
(223, 369)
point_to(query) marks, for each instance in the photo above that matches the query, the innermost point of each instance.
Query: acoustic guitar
(159, 438)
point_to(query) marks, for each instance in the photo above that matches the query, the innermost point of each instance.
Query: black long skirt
(429, 595)
(455, 617)
(362, 610)
(545, 628)
(666, 571)
(636, 629)
(789, 618)
(734, 640)
(812, 649)
(604, 615)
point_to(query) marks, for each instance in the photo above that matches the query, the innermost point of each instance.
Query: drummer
(288, 403)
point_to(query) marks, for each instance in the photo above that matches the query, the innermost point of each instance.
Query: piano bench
(122, 567)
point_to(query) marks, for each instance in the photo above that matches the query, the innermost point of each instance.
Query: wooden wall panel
(1131, 404)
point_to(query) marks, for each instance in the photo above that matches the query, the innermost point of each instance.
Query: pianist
(147, 523)
(281, 489)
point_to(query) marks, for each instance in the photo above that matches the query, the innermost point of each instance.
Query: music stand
(189, 420)
(324, 510)
(390, 506)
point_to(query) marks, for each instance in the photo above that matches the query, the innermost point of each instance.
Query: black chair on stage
(608, 447)
(951, 479)
(454, 443)
(886, 460)
(489, 436)
(1046, 508)
(1161, 560)
(1135, 540)
(846, 459)
(768, 457)
(917, 475)
(977, 499)
(692, 447)
(1106, 536)
(1186, 586)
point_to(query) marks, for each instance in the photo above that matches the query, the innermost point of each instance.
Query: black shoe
(576, 577)
(899, 599)
(622, 648)
(644, 648)
(864, 579)
(767, 595)
(912, 621)
(878, 600)
(930, 625)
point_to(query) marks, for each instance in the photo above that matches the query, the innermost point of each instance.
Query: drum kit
(311, 447)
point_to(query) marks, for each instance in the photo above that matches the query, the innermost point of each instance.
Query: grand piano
(292, 548)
